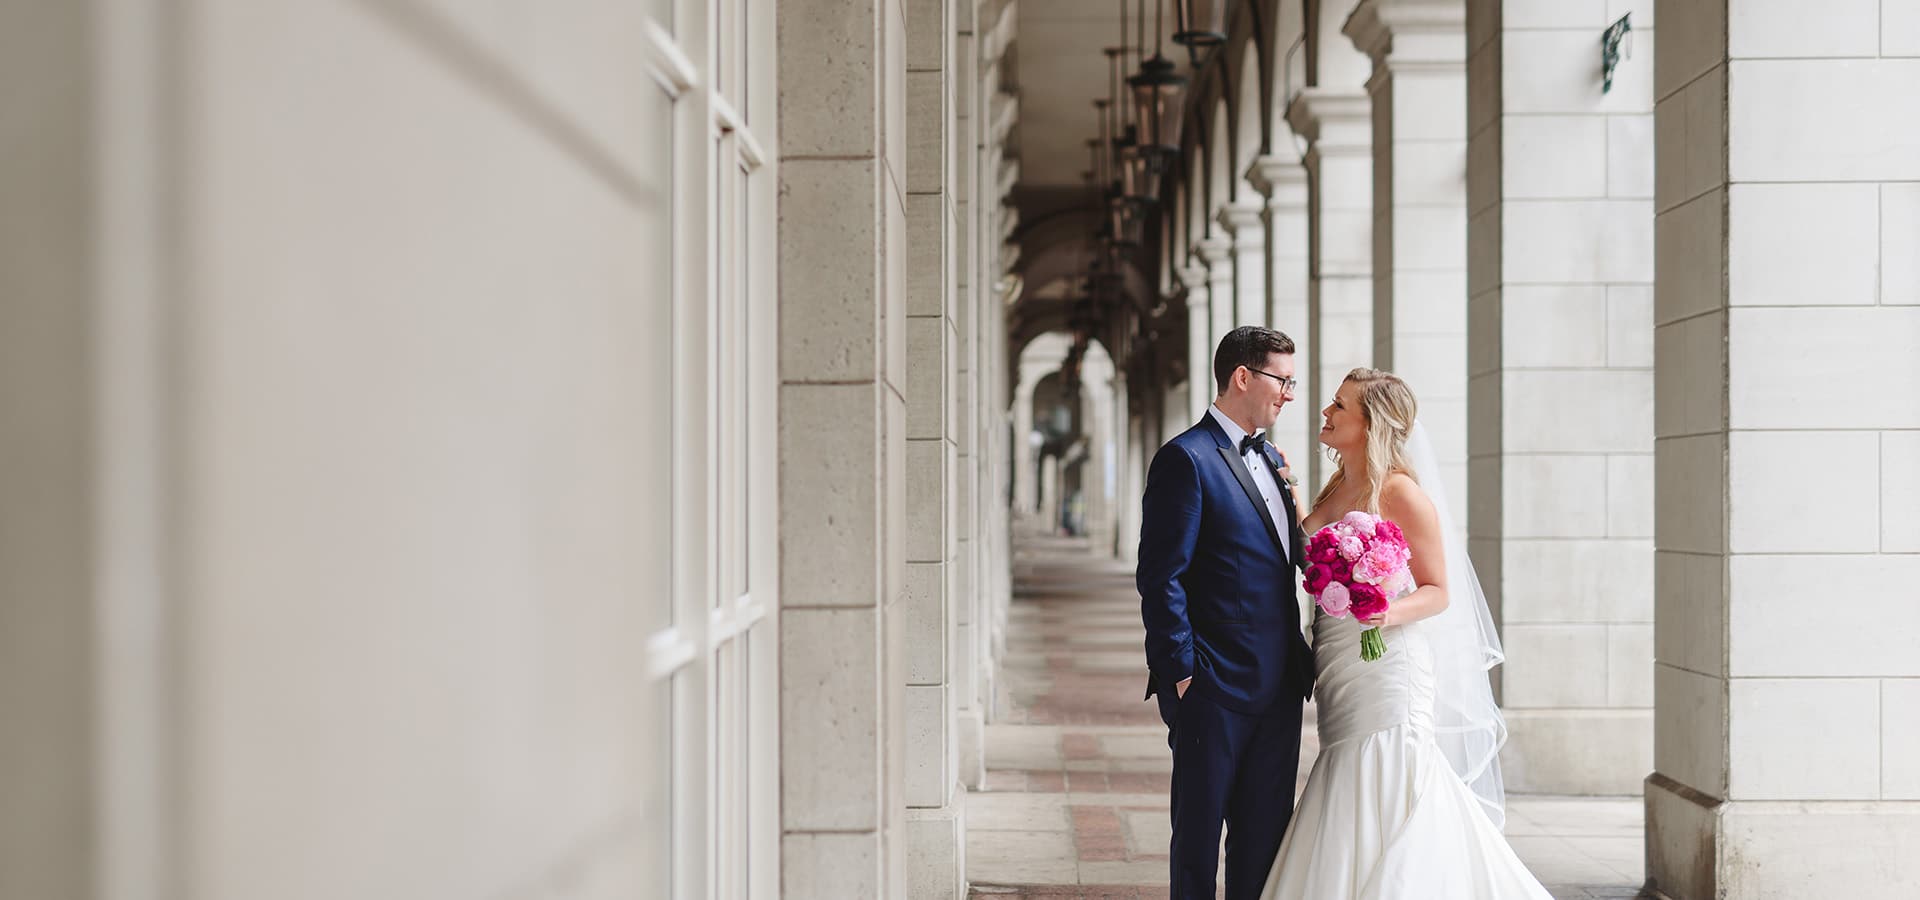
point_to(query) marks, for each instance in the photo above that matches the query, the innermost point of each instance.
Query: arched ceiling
(1061, 72)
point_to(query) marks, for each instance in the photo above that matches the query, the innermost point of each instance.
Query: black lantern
(1159, 102)
(1127, 222)
(1202, 24)
(1140, 173)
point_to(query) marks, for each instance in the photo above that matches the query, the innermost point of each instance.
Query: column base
(970, 727)
(937, 851)
(1605, 752)
(1702, 848)
(831, 865)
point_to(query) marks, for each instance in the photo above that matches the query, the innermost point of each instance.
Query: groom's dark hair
(1248, 345)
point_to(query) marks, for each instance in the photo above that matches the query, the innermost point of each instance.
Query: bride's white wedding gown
(1383, 815)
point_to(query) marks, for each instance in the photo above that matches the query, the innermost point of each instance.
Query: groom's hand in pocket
(1180, 690)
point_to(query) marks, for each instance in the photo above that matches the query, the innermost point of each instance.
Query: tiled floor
(1075, 801)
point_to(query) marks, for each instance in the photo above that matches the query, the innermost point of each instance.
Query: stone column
(936, 830)
(1246, 236)
(1132, 478)
(1049, 518)
(971, 409)
(1041, 357)
(1339, 166)
(1787, 303)
(1216, 253)
(1026, 486)
(1561, 389)
(844, 542)
(1283, 183)
(1419, 96)
(1199, 345)
(1097, 422)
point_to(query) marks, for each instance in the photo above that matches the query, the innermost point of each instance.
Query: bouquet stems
(1372, 645)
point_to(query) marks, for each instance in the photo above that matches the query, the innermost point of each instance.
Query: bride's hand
(1379, 621)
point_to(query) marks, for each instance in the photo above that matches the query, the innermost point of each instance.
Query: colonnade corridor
(1074, 804)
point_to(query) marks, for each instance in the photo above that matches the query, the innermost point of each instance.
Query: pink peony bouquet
(1356, 567)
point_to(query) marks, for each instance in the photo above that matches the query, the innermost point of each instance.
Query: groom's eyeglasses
(1286, 384)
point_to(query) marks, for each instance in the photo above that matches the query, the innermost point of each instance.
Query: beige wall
(395, 269)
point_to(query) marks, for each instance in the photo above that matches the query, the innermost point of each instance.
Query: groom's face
(1265, 394)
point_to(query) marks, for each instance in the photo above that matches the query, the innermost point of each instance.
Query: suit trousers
(1231, 768)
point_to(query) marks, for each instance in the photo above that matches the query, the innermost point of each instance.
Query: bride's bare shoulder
(1403, 500)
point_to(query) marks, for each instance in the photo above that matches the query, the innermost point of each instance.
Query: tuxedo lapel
(1240, 473)
(1295, 540)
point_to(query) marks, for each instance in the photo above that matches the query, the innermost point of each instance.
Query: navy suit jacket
(1216, 586)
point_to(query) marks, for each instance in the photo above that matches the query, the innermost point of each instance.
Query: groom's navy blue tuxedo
(1217, 597)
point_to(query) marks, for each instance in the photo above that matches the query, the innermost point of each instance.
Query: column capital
(1333, 121)
(1399, 32)
(1269, 173)
(1242, 223)
(1194, 278)
(1215, 251)
(1282, 180)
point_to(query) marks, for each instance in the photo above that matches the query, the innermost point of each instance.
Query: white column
(1246, 237)
(970, 409)
(1049, 518)
(1132, 480)
(1200, 342)
(1787, 303)
(844, 578)
(1026, 486)
(1283, 183)
(1216, 253)
(935, 825)
(1419, 98)
(1561, 389)
(1339, 164)
(1096, 380)
(1041, 357)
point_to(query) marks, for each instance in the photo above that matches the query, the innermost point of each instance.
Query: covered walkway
(1075, 799)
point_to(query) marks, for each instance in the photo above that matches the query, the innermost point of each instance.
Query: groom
(1219, 542)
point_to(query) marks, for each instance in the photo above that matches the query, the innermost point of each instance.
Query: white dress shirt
(1262, 478)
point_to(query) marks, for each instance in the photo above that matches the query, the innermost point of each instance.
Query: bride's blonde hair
(1388, 406)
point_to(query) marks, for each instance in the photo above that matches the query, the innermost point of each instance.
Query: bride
(1405, 799)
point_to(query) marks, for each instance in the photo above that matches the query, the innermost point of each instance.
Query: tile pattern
(1075, 800)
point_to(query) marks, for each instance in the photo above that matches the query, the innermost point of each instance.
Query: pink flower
(1334, 599)
(1366, 601)
(1322, 551)
(1360, 522)
(1366, 570)
(1351, 548)
(1318, 577)
(1377, 564)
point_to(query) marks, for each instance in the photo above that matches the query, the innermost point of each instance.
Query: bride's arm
(1407, 505)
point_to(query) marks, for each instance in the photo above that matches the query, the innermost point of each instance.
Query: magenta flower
(1318, 577)
(1366, 601)
(1342, 570)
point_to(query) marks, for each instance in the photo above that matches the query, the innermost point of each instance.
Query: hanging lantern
(1201, 24)
(1140, 173)
(1159, 101)
(1128, 222)
(1099, 174)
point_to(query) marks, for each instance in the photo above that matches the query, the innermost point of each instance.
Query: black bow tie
(1253, 442)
